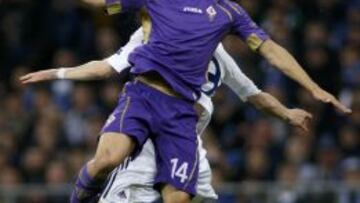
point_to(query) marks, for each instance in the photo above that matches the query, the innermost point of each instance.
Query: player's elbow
(108, 72)
(103, 70)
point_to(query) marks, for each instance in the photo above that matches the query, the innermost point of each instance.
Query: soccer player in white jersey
(133, 180)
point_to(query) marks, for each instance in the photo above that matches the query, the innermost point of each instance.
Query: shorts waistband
(155, 81)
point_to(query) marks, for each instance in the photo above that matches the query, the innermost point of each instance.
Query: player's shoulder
(234, 7)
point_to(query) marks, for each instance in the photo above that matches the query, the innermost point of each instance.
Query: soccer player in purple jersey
(170, 70)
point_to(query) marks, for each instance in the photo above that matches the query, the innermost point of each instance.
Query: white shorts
(131, 194)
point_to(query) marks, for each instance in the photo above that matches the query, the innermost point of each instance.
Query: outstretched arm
(248, 91)
(91, 70)
(88, 71)
(258, 40)
(269, 104)
(286, 63)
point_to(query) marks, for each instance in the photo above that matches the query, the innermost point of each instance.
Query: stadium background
(47, 131)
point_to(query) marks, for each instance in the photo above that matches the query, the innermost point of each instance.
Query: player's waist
(157, 82)
(174, 80)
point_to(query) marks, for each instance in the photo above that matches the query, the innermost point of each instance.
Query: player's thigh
(173, 132)
(177, 162)
(172, 195)
(126, 129)
(176, 151)
(114, 147)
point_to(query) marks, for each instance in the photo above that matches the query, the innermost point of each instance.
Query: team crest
(211, 13)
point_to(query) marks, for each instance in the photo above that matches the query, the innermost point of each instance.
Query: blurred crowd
(47, 131)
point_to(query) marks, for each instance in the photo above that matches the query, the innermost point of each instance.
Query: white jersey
(133, 180)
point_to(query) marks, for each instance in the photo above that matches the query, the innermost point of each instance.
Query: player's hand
(328, 98)
(39, 76)
(299, 118)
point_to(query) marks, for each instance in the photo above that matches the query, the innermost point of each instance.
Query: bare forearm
(90, 71)
(286, 63)
(269, 104)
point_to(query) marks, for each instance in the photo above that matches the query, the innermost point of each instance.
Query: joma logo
(192, 10)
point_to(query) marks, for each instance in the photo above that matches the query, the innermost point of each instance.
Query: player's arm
(88, 71)
(258, 40)
(91, 70)
(248, 91)
(267, 103)
(281, 59)
(286, 63)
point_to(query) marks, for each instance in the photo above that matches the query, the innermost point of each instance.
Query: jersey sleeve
(246, 28)
(119, 60)
(234, 77)
(119, 6)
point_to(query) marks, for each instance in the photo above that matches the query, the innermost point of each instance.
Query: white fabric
(119, 61)
(233, 77)
(141, 171)
(131, 194)
(60, 74)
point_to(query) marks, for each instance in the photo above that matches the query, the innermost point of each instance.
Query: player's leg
(204, 188)
(175, 142)
(171, 194)
(112, 150)
(123, 134)
(130, 194)
(133, 180)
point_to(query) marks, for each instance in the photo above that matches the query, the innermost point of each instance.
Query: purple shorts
(144, 112)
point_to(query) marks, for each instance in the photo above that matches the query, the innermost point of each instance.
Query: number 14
(180, 171)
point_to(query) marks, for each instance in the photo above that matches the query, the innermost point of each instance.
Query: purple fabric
(170, 122)
(243, 25)
(86, 188)
(180, 50)
(111, 2)
(126, 5)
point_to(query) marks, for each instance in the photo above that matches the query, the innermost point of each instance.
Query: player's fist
(326, 97)
(299, 118)
(39, 76)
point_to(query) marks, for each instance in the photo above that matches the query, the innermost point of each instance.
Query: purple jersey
(184, 35)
